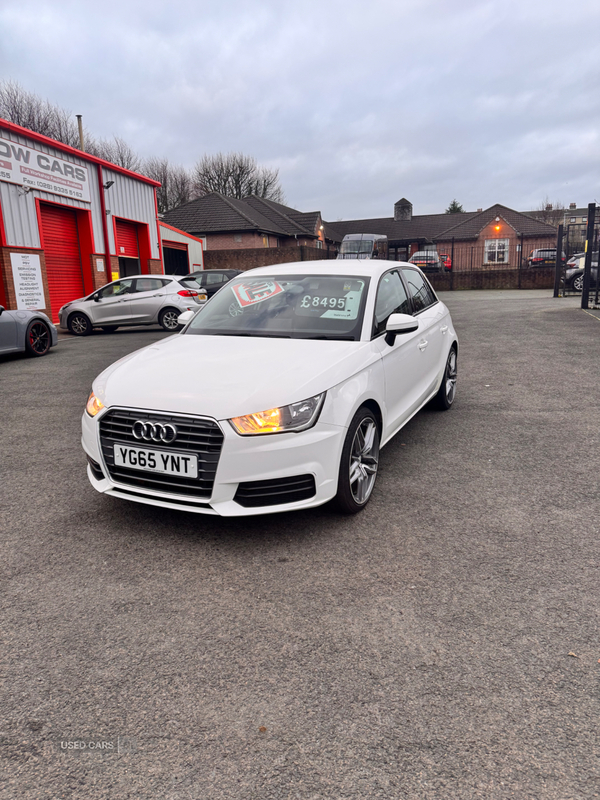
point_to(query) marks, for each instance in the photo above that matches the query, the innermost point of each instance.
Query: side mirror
(185, 317)
(96, 298)
(398, 324)
(1, 310)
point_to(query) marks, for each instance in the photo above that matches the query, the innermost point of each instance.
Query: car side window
(391, 299)
(212, 280)
(117, 288)
(148, 284)
(420, 291)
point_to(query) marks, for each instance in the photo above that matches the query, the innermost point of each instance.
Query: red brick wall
(471, 255)
(155, 267)
(226, 241)
(261, 257)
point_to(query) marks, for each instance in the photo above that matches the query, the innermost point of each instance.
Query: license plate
(156, 461)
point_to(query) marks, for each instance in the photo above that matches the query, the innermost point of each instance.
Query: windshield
(289, 306)
(356, 246)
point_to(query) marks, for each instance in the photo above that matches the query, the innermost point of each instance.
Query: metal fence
(499, 264)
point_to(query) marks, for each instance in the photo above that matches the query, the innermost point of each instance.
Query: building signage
(27, 278)
(27, 167)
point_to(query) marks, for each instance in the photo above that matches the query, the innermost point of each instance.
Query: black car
(427, 260)
(210, 280)
(545, 257)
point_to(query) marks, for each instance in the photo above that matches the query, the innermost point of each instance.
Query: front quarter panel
(344, 399)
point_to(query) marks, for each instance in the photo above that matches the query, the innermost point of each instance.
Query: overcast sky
(356, 103)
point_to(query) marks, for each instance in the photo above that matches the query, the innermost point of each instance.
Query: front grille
(203, 437)
(275, 492)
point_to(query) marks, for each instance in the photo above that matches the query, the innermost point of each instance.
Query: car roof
(364, 267)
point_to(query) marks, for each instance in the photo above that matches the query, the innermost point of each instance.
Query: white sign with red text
(27, 167)
(248, 294)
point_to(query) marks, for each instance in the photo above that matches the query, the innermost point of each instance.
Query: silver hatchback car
(140, 300)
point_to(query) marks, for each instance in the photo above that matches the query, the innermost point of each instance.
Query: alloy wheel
(450, 377)
(169, 320)
(364, 460)
(39, 338)
(79, 325)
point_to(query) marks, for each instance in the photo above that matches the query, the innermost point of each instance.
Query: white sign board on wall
(27, 167)
(27, 279)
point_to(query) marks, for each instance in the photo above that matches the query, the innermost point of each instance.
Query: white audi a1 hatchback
(277, 395)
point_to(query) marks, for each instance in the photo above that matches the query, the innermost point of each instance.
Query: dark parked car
(210, 280)
(544, 258)
(427, 260)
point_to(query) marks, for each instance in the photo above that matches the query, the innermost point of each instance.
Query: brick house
(226, 223)
(480, 239)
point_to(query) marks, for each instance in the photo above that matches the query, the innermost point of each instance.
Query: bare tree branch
(236, 175)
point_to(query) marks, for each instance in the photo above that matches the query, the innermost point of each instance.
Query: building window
(573, 219)
(237, 237)
(496, 251)
(319, 244)
(265, 240)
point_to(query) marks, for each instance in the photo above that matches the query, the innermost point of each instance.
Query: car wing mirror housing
(185, 317)
(398, 324)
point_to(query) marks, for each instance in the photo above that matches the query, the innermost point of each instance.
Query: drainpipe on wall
(107, 265)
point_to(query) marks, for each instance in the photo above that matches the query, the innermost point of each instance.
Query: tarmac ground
(441, 644)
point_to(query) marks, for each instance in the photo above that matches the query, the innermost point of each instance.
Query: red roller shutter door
(63, 259)
(127, 240)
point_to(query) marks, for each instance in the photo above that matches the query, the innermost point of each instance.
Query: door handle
(423, 344)
(444, 328)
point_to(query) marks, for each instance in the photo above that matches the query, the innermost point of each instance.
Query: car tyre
(167, 319)
(79, 324)
(38, 338)
(447, 391)
(359, 462)
(577, 283)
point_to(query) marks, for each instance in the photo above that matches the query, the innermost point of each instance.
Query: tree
(551, 213)
(236, 175)
(117, 151)
(177, 183)
(455, 208)
(28, 110)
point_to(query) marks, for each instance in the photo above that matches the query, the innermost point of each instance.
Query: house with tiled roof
(226, 223)
(489, 237)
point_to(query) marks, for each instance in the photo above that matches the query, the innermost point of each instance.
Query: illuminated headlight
(93, 405)
(285, 419)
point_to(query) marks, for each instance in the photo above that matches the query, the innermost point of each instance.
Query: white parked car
(140, 300)
(277, 395)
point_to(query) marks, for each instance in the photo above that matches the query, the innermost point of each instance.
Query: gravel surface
(441, 644)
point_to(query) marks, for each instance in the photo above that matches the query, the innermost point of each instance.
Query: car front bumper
(244, 462)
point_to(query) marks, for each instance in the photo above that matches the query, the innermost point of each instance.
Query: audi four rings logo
(154, 431)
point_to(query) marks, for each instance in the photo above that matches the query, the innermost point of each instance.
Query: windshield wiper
(331, 338)
(259, 335)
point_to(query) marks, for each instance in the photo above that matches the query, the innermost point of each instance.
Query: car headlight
(284, 419)
(93, 405)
